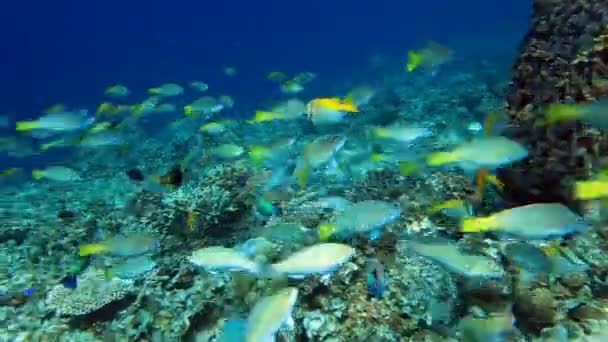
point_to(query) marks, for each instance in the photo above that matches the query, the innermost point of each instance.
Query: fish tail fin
(257, 154)
(440, 158)
(561, 112)
(414, 59)
(92, 248)
(188, 110)
(590, 189)
(407, 167)
(155, 179)
(476, 224)
(37, 174)
(26, 125)
(326, 230)
(376, 157)
(154, 91)
(349, 106)
(302, 174)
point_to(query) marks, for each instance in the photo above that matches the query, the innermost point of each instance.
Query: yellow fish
(329, 110)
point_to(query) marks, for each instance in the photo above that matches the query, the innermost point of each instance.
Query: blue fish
(70, 281)
(376, 278)
(29, 291)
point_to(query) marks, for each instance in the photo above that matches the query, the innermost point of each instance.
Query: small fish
(449, 256)
(269, 314)
(200, 86)
(203, 105)
(218, 258)
(58, 122)
(304, 77)
(540, 221)
(264, 207)
(135, 175)
(404, 134)
(70, 281)
(362, 218)
(174, 177)
(291, 87)
(456, 208)
(29, 291)
(230, 71)
(430, 58)
(213, 128)
(100, 139)
(591, 189)
(122, 245)
(147, 106)
(591, 112)
(527, 257)
(276, 76)
(317, 153)
(320, 259)
(484, 152)
(228, 151)
(9, 171)
(57, 173)
(376, 278)
(117, 91)
(226, 100)
(329, 110)
(264, 116)
(167, 90)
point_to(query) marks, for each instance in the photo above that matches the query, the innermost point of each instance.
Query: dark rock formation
(563, 58)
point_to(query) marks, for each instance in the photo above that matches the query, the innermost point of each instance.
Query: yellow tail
(585, 190)
(377, 157)
(561, 112)
(349, 106)
(188, 110)
(477, 224)
(93, 248)
(26, 125)
(257, 154)
(326, 230)
(37, 174)
(453, 203)
(440, 158)
(154, 91)
(413, 60)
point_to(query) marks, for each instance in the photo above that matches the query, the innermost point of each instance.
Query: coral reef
(564, 58)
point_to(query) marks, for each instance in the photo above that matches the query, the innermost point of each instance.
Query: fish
(333, 202)
(527, 257)
(269, 314)
(290, 233)
(213, 128)
(317, 153)
(329, 110)
(450, 257)
(147, 106)
(539, 221)
(403, 134)
(29, 291)
(70, 281)
(591, 189)
(226, 100)
(57, 173)
(122, 245)
(135, 175)
(199, 85)
(286, 110)
(255, 247)
(117, 90)
(376, 278)
(492, 328)
(276, 76)
(174, 177)
(228, 151)
(429, 58)
(590, 112)
(219, 258)
(167, 90)
(362, 218)
(203, 105)
(131, 268)
(105, 138)
(484, 152)
(456, 208)
(321, 259)
(230, 71)
(58, 122)
(291, 87)
(10, 171)
(360, 95)
(304, 77)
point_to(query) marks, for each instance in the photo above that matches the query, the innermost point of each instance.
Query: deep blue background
(68, 51)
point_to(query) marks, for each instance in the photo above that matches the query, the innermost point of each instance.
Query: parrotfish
(320, 259)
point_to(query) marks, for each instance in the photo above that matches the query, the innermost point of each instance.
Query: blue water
(69, 51)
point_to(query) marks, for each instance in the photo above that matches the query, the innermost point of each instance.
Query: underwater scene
(335, 171)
